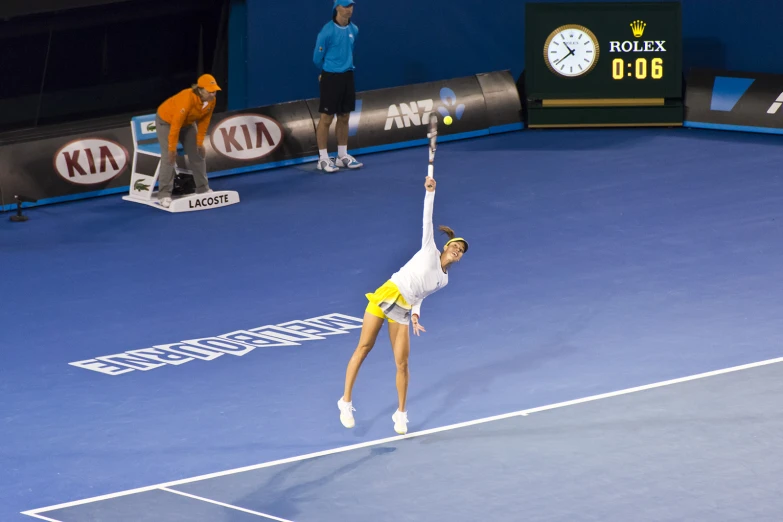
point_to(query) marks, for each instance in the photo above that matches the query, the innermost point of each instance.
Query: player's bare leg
(401, 345)
(371, 325)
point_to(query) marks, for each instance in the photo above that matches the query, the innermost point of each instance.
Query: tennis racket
(432, 134)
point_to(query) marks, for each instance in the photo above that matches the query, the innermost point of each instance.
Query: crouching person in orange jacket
(184, 118)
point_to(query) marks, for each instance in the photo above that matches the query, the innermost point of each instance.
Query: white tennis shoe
(400, 419)
(346, 413)
(349, 162)
(328, 165)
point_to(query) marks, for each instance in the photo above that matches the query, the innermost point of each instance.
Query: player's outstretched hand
(429, 184)
(416, 326)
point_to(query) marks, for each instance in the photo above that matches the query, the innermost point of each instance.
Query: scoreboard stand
(669, 113)
(603, 64)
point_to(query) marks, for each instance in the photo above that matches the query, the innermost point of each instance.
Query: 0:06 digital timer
(639, 69)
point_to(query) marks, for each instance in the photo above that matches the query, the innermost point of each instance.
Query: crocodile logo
(140, 186)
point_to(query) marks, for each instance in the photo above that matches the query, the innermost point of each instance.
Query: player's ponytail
(446, 230)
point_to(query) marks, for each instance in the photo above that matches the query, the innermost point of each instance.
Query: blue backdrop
(410, 41)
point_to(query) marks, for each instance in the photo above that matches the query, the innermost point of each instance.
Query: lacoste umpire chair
(146, 168)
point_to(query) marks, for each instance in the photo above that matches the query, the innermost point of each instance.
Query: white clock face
(571, 50)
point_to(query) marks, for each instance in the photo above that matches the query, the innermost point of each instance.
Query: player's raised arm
(428, 236)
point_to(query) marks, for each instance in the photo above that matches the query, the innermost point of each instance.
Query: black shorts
(338, 94)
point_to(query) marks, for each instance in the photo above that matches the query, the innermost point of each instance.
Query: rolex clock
(571, 50)
(603, 64)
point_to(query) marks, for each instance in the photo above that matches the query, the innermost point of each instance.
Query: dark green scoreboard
(603, 64)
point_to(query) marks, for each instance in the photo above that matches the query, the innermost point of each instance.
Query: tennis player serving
(398, 301)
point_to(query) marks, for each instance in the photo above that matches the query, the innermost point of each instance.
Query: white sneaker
(346, 415)
(349, 161)
(327, 165)
(165, 202)
(400, 419)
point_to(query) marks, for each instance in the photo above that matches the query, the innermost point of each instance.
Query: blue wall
(237, 56)
(407, 41)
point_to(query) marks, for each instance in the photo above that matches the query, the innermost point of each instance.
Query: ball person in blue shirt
(333, 55)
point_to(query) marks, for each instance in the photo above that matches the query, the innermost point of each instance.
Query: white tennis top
(422, 275)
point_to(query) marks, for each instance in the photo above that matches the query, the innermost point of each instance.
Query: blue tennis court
(608, 349)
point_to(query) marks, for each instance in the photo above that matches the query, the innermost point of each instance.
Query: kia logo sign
(90, 161)
(247, 136)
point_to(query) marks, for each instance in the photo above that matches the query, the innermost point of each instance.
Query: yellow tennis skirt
(388, 303)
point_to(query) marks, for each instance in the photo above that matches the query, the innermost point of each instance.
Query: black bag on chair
(184, 184)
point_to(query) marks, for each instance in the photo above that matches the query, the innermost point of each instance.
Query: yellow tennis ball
(447, 120)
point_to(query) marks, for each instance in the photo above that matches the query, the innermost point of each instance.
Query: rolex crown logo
(637, 26)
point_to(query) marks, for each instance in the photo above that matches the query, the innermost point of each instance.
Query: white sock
(342, 151)
(324, 155)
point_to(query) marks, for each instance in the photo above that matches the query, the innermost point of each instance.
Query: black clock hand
(566, 56)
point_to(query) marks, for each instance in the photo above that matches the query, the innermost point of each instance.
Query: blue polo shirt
(334, 47)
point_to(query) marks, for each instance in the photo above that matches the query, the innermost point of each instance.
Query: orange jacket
(183, 109)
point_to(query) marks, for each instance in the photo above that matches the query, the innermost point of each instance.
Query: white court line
(42, 517)
(225, 505)
(410, 435)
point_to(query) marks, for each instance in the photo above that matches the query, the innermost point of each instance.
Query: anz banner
(73, 166)
(739, 101)
(397, 117)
